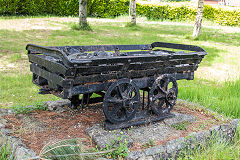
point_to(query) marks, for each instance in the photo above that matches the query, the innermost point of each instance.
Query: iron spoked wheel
(163, 94)
(121, 101)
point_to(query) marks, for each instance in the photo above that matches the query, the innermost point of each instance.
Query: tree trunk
(133, 12)
(199, 17)
(82, 13)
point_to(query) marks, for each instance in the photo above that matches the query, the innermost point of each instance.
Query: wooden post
(133, 12)
(82, 13)
(199, 17)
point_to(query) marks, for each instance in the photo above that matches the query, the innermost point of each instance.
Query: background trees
(133, 11)
(199, 17)
(83, 14)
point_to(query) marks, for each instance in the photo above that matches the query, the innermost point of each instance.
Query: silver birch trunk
(133, 12)
(82, 13)
(199, 17)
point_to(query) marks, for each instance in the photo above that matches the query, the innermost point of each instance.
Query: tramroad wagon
(117, 75)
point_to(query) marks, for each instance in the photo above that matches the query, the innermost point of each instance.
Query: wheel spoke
(121, 101)
(172, 90)
(130, 88)
(130, 102)
(113, 100)
(160, 104)
(172, 94)
(135, 98)
(126, 113)
(172, 97)
(166, 83)
(169, 103)
(114, 111)
(158, 97)
(120, 91)
(162, 90)
(163, 97)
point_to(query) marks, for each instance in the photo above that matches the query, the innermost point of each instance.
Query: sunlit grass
(216, 149)
(17, 89)
(221, 97)
(6, 152)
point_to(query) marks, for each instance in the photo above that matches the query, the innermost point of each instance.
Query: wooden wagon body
(108, 70)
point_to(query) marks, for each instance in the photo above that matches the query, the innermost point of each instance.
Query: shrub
(107, 8)
(230, 18)
(74, 149)
(113, 8)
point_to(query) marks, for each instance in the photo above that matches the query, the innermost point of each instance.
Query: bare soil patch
(29, 24)
(41, 127)
(57, 23)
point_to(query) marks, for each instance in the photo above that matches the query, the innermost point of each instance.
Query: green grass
(17, 88)
(78, 28)
(23, 109)
(181, 126)
(221, 97)
(216, 149)
(6, 152)
(15, 57)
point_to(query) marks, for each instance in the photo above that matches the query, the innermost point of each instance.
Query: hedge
(113, 8)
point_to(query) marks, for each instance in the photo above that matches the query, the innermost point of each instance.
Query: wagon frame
(118, 78)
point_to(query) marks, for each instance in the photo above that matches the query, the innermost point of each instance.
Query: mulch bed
(41, 127)
(38, 128)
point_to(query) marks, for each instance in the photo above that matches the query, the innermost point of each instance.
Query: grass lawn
(216, 85)
(17, 88)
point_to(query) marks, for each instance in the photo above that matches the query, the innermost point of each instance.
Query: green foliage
(177, 0)
(107, 8)
(113, 8)
(223, 98)
(118, 148)
(17, 88)
(181, 126)
(20, 109)
(6, 152)
(167, 12)
(229, 18)
(62, 150)
(74, 149)
(76, 26)
(120, 151)
(214, 148)
(150, 143)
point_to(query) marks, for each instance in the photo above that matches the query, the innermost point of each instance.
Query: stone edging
(173, 147)
(19, 149)
(169, 150)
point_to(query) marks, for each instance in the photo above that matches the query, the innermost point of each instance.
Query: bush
(177, 0)
(107, 8)
(230, 18)
(113, 8)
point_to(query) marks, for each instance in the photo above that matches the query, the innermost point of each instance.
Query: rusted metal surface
(116, 73)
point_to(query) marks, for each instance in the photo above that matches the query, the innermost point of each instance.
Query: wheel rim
(121, 101)
(163, 94)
